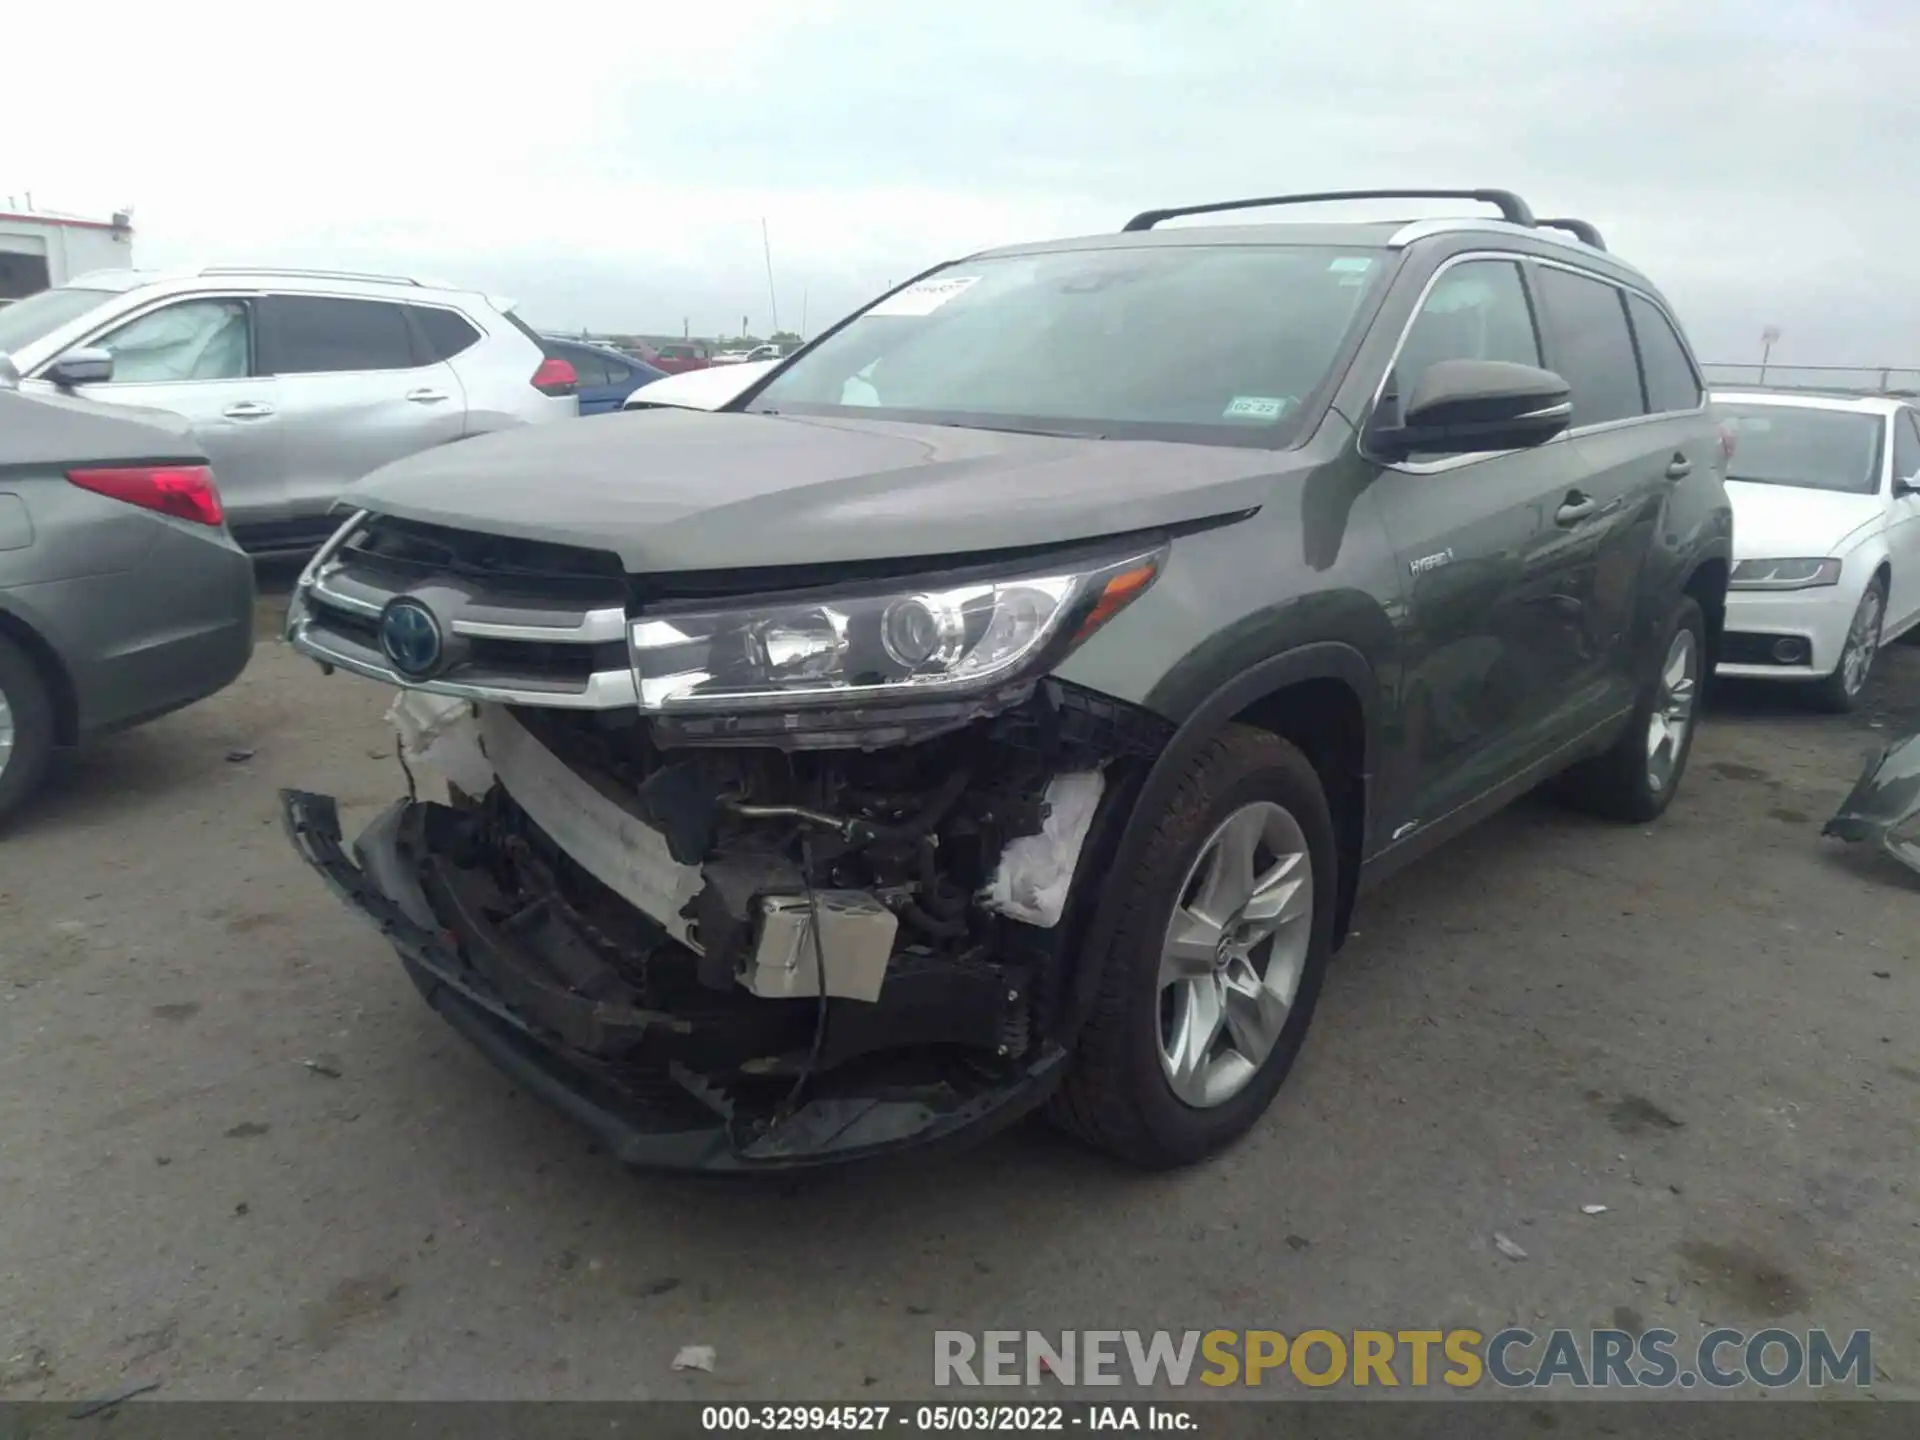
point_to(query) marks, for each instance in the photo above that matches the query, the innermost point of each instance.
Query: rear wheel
(1840, 692)
(1207, 991)
(1635, 780)
(26, 728)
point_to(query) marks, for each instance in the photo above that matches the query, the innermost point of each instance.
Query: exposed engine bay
(735, 923)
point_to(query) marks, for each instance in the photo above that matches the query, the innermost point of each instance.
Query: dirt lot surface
(239, 1157)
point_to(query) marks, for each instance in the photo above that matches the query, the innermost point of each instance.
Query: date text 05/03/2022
(1087, 1419)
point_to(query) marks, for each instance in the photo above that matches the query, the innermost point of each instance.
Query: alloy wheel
(1672, 710)
(6, 732)
(1863, 642)
(1234, 952)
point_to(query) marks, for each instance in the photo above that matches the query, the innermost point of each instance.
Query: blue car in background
(606, 376)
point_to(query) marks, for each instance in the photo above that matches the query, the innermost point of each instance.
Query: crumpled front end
(744, 871)
(746, 958)
(1884, 805)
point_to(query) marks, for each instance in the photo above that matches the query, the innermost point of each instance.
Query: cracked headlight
(940, 636)
(1783, 574)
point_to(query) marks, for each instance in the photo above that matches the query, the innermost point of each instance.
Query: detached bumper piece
(1884, 805)
(602, 1014)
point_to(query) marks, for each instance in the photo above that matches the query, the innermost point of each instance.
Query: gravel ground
(240, 1158)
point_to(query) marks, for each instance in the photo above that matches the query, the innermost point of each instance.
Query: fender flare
(1315, 660)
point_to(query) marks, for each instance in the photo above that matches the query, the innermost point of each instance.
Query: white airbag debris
(1035, 871)
(439, 734)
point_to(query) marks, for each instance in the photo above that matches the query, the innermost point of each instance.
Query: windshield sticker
(1350, 264)
(925, 296)
(1255, 407)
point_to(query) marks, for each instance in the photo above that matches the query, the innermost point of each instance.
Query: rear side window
(1671, 381)
(1592, 347)
(313, 334)
(591, 369)
(1476, 310)
(446, 333)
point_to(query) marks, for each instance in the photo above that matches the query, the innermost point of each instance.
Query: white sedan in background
(706, 389)
(1826, 536)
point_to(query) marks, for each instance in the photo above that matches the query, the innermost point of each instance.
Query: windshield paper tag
(1351, 264)
(925, 296)
(1255, 407)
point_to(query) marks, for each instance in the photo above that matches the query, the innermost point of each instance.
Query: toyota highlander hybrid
(1001, 702)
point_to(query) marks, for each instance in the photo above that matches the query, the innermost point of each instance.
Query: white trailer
(39, 250)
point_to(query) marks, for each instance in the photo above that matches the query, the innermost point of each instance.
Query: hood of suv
(671, 490)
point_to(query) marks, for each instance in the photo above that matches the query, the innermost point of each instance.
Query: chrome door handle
(426, 397)
(1679, 468)
(1574, 511)
(247, 410)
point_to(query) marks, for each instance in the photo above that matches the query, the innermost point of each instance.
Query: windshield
(37, 316)
(1802, 446)
(1213, 343)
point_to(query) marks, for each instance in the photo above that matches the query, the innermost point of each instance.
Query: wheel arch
(1706, 582)
(52, 670)
(1323, 697)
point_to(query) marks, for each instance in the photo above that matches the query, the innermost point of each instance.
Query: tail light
(185, 492)
(556, 377)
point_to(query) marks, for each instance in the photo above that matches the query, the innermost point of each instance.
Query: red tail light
(183, 491)
(556, 377)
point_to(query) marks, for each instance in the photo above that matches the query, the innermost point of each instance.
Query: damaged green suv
(1001, 702)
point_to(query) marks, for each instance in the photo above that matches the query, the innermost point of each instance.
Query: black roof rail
(1579, 229)
(1512, 208)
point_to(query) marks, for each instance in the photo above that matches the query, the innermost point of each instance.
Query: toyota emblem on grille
(410, 637)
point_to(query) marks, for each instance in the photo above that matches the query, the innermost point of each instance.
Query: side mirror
(85, 366)
(1466, 407)
(1908, 486)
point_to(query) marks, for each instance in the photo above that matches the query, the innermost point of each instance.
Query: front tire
(1212, 976)
(1637, 777)
(1840, 692)
(26, 728)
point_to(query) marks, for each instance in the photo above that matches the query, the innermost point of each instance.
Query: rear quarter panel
(497, 378)
(142, 611)
(54, 530)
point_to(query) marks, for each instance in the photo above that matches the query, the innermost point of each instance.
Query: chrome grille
(522, 622)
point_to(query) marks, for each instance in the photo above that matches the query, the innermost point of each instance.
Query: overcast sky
(609, 165)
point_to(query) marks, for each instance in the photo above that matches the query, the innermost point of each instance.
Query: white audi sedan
(1826, 536)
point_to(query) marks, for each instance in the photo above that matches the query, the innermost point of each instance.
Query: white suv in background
(1826, 535)
(296, 382)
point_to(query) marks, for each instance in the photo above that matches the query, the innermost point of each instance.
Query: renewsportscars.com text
(1460, 1359)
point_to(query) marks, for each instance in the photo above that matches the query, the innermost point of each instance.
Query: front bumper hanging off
(671, 1119)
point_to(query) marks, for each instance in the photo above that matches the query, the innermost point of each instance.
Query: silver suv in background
(296, 382)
